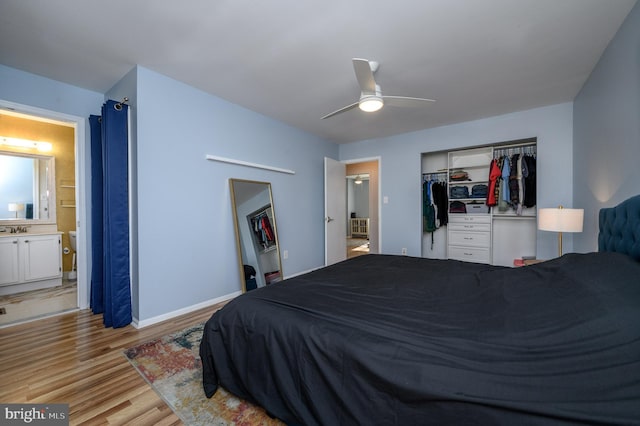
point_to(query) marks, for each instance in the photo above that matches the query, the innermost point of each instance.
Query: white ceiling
(291, 60)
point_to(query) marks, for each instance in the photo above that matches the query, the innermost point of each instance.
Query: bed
(398, 340)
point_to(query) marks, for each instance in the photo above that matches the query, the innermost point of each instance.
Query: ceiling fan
(371, 98)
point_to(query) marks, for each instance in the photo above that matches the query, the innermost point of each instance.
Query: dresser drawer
(469, 226)
(467, 218)
(470, 239)
(469, 254)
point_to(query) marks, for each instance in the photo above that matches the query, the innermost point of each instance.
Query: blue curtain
(110, 279)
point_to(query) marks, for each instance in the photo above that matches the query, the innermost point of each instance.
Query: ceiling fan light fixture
(371, 103)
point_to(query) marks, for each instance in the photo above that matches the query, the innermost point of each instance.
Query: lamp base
(559, 244)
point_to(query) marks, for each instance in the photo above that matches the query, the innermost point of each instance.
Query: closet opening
(479, 203)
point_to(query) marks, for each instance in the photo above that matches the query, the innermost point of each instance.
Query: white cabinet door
(42, 257)
(9, 261)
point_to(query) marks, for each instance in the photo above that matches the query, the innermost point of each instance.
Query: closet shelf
(512, 216)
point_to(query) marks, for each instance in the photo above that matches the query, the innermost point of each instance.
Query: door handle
(329, 219)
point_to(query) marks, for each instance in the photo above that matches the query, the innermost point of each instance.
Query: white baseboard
(145, 323)
(303, 272)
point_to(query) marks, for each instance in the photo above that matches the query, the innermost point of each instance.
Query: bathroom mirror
(27, 188)
(256, 233)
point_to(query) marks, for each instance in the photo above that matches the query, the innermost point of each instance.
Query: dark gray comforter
(396, 340)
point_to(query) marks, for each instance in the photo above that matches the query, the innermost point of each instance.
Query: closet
(260, 223)
(265, 245)
(491, 203)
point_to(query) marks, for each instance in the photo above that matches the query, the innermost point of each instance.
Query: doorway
(64, 132)
(358, 222)
(363, 207)
(338, 206)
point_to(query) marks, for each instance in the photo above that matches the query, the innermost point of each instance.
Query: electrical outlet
(404, 251)
(285, 254)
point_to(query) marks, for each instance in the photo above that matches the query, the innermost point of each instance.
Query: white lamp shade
(16, 207)
(560, 220)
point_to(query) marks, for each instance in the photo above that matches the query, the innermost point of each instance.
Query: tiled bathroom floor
(35, 304)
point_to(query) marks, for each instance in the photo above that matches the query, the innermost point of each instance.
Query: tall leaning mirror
(256, 233)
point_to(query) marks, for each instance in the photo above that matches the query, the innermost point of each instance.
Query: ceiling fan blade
(405, 101)
(341, 110)
(364, 74)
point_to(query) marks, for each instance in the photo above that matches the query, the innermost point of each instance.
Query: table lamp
(16, 207)
(560, 220)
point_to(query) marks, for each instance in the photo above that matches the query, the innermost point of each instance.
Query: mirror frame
(51, 184)
(236, 224)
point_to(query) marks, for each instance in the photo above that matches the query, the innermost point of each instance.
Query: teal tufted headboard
(620, 228)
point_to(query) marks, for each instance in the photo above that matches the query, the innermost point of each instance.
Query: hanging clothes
(441, 201)
(261, 226)
(110, 277)
(266, 228)
(513, 182)
(520, 186)
(428, 209)
(494, 178)
(505, 197)
(530, 196)
(435, 212)
(506, 174)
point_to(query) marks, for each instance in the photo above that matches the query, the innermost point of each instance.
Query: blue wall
(401, 168)
(185, 233)
(184, 246)
(607, 131)
(29, 89)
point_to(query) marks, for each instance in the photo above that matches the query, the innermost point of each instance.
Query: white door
(335, 211)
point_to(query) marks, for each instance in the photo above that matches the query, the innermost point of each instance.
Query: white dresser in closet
(470, 237)
(469, 234)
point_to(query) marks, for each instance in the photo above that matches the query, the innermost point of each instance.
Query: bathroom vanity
(29, 261)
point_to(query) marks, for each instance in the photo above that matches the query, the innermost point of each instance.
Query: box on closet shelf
(477, 208)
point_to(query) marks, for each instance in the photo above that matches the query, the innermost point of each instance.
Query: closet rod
(440, 176)
(527, 148)
(516, 145)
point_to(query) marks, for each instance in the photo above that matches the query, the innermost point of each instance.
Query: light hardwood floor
(73, 359)
(357, 247)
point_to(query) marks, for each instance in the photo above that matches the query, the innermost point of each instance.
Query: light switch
(385, 199)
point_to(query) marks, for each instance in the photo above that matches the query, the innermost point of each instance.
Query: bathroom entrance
(26, 299)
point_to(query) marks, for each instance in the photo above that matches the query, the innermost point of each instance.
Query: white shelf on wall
(248, 164)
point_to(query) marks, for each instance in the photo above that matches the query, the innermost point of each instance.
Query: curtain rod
(118, 106)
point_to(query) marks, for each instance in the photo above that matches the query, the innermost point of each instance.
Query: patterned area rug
(172, 366)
